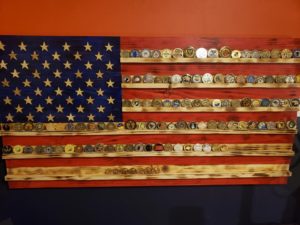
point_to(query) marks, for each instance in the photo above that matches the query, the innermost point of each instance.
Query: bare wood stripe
(138, 132)
(201, 85)
(153, 154)
(147, 172)
(209, 109)
(208, 60)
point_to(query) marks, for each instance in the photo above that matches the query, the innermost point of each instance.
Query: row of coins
(209, 78)
(189, 103)
(80, 126)
(212, 124)
(69, 148)
(152, 125)
(223, 52)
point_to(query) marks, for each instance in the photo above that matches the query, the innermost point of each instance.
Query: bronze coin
(240, 79)
(181, 125)
(212, 124)
(168, 147)
(275, 54)
(111, 126)
(78, 149)
(162, 125)
(130, 125)
(246, 102)
(235, 103)
(189, 52)
(252, 125)
(222, 125)
(196, 103)
(225, 52)
(28, 126)
(92, 126)
(286, 53)
(80, 126)
(219, 78)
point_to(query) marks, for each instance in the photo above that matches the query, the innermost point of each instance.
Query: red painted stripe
(146, 183)
(176, 116)
(183, 42)
(168, 69)
(234, 93)
(230, 160)
(133, 139)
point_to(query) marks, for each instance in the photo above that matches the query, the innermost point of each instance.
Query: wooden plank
(152, 154)
(147, 172)
(154, 138)
(208, 160)
(244, 69)
(209, 86)
(214, 42)
(147, 183)
(134, 132)
(231, 150)
(201, 93)
(209, 109)
(206, 116)
(209, 60)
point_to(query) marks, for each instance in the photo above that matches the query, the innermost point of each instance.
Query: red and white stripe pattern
(164, 69)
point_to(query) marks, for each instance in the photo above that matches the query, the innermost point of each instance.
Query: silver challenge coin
(197, 147)
(207, 78)
(201, 53)
(176, 79)
(213, 53)
(196, 78)
(178, 147)
(145, 53)
(148, 78)
(246, 54)
(290, 79)
(207, 148)
(156, 54)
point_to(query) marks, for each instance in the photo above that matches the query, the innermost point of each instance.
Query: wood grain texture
(209, 109)
(203, 116)
(147, 183)
(152, 154)
(147, 172)
(154, 138)
(75, 162)
(224, 93)
(245, 69)
(208, 86)
(183, 42)
(209, 60)
(146, 132)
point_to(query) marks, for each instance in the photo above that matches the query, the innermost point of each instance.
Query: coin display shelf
(208, 60)
(202, 85)
(231, 150)
(138, 132)
(210, 109)
(133, 172)
(251, 156)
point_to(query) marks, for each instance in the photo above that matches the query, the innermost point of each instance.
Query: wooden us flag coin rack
(63, 123)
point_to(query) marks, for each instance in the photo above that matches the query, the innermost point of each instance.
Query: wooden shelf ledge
(139, 132)
(209, 60)
(141, 172)
(210, 109)
(213, 85)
